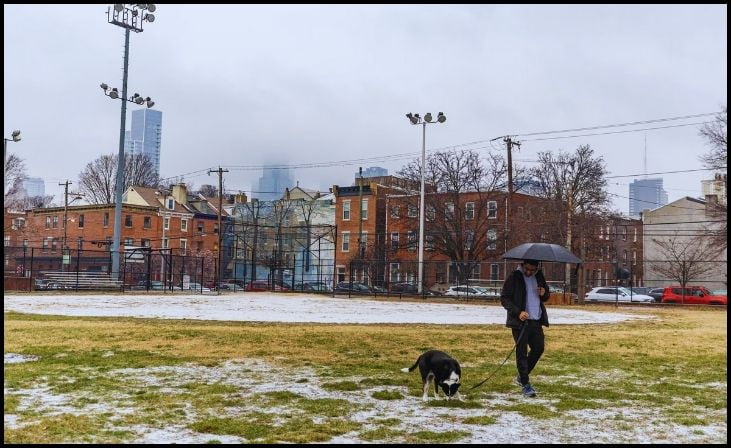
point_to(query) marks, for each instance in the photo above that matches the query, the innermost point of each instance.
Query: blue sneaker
(516, 380)
(528, 390)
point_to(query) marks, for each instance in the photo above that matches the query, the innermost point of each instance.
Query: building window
(109, 243)
(494, 271)
(147, 222)
(364, 208)
(396, 211)
(341, 274)
(215, 227)
(429, 242)
(7, 240)
(431, 212)
(469, 210)
(394, 273)
(346, 210)
(346, 242)
(183, 246)
(634, 238)
(54, 245)
(129, 242)
(624, 257)
(412, 240)
(475, 271)
(81, 221)
(469, 239)
(412, 213)
(491, 239)
(145, 243)
(200, 245)
(171, 204)
(79, 243)
(55, 222)
(128, 220)
(48, 222)
(25, 243)
(166, 223)
(106, 219)
(394, 240)
(441, 272)
(492, 209)
(45, 244)
(200, 226)
(449, 210)
(164, 243)
(364, 241)
(624, 233)
(184, 225)
(634, 257)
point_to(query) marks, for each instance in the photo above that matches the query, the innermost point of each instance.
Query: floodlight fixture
(441, 117)
(427, 117)
(16, 136)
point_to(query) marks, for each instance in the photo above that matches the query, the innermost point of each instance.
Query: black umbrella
(541, 252)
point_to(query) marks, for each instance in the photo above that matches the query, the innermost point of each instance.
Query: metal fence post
(78, 262)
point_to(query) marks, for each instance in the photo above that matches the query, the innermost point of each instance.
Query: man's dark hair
(531, 262)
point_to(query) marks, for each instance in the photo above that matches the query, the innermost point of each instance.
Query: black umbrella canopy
(541, 252)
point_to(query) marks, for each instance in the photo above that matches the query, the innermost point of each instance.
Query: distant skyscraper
(646, 193)
(145, 134)
(34, 186)
(373, 171)
(527, 185)
(272, 183)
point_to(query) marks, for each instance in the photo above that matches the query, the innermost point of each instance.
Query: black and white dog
(443, 369)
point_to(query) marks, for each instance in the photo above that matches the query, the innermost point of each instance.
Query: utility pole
(220, 172)
(508, 203)
(360, 213)
(65, 210)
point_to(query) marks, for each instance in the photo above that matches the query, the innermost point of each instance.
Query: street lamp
(129, 17)
(416, 119)
(15, 138)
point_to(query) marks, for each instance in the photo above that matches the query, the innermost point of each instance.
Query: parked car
(44, 284)
(379, 289)
(355, 288)
(692, 295)
(466, 291)
(154, 285)
(263, 285)
(555, 288)
(613, 293)
(197, 287)
(656, 293)
(408, 288)
(490, 292)
(640, 290)
(313, 287)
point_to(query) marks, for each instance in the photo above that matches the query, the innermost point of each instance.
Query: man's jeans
(533, 338)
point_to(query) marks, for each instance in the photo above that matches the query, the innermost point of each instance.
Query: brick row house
(465, 236)
(170, 220)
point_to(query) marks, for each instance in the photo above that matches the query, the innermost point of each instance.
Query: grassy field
(124, 380)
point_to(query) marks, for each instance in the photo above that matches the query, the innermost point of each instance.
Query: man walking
(523, 294)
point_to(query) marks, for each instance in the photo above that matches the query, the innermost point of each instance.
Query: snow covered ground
(269, 307)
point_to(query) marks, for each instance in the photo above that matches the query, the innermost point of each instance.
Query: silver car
(612, 294)
(466, 291)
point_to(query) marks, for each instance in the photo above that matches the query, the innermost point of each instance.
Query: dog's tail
(411, 369)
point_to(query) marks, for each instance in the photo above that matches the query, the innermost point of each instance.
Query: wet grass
(668, 365)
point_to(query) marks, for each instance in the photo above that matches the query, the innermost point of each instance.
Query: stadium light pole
(129, 17)
(415, 120)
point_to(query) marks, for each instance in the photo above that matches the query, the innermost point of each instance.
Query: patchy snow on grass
(271, 307)
(14, 358)
(252, 377)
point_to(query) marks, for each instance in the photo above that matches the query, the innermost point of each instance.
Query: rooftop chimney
(180, 193)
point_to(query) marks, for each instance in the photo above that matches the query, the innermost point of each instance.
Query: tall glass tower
(145, 135)
(646, 193)
(273, 182)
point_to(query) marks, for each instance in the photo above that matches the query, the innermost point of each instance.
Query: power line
(617, 132)
(621, 124)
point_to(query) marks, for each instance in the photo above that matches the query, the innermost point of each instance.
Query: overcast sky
(247, 85)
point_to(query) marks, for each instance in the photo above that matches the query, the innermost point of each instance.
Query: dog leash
(522, 330)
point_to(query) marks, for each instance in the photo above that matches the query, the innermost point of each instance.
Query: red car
(263, 286)
(693, 295)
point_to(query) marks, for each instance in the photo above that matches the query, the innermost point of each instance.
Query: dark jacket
(513, 297)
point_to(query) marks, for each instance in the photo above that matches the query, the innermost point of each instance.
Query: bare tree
(14, 175)
(687, 259)
(575, 185)
(715, 134)
(716, 158)
(98, 180)
(208, 191)
(460, 184)
(166, 182)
